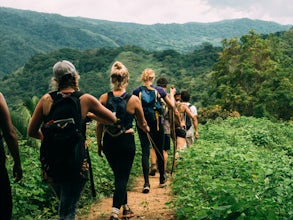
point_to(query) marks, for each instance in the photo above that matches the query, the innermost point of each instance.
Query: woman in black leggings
(118, 145)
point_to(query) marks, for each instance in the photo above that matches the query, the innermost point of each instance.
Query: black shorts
(180, 132)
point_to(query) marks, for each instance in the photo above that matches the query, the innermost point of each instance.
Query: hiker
(191, 128)
(163, 82)
(9, 134)
(68, 188)
(180, 126)
(118, 144)
(177, 96)
(152, 113)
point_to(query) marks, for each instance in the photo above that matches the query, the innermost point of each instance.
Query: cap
(63, 68)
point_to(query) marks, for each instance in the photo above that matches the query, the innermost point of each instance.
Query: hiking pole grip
(94, 193)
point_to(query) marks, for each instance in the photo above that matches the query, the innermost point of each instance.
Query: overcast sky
(162, 11)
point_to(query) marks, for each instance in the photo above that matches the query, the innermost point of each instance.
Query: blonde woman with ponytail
(119, 149)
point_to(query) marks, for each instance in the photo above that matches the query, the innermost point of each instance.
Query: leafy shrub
(214, 112)
(232, 173)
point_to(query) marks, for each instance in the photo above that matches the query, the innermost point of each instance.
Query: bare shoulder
(103, 98)
(1, 98)
(134, 100)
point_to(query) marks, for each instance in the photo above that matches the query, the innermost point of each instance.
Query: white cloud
(162, 11)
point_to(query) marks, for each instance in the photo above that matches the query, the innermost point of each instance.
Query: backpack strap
(125, 96)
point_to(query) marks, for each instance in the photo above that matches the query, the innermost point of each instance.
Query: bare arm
(99, 131)
(139, 115)
(91, 104)
(194, 120)
(97, 118)
(170, 100)
(10, 138)
(37, 120)
(195, 124)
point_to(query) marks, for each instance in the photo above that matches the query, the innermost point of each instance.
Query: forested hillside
(182, 70)
(26, 33)
(251, 75)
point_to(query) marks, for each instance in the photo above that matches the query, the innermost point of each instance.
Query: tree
(250, 76)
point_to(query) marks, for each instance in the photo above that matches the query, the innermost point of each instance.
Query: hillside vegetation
(240, 168)
(26, 33)
(251, 75)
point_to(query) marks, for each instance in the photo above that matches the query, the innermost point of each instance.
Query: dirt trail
(149, 206)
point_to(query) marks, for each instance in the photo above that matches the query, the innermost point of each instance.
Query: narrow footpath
(151, 206)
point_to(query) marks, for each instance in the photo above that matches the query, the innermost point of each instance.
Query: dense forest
(251, 75)
(26, 33)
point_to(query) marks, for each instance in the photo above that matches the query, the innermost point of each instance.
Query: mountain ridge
(27, 33)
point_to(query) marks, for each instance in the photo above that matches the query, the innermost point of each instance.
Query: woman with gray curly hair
(64, 84)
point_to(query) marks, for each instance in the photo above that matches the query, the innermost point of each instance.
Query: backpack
(188, 122)
(62, 151)
(165, 109)
(117, 104)
(150, 100)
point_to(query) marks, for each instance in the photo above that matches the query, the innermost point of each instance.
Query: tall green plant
(21, 117)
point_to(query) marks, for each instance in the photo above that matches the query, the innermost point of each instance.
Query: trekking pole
(154, 145)
(94, 194)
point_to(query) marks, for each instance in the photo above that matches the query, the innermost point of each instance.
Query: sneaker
(127, 213)
(163, 181)
(113, 218)
(153, 170)
(146, 188)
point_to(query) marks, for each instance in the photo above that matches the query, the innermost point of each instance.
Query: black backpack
(117, 104)
(62, 150)
(150, 100)
(188, 122)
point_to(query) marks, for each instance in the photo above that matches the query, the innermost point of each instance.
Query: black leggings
(158, 137)
(120, 152)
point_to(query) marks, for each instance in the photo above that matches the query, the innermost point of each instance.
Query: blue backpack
(150, 99)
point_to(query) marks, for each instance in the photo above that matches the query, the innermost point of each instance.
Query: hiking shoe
(153, 170)
(146, 188)
(127, 213)
(113, 218)
(163, 181)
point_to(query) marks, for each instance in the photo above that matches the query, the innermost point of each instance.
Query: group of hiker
(59, 121)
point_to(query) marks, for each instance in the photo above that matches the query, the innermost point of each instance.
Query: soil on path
(151, 206)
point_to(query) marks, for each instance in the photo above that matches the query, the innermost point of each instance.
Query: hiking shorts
(180, 132)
